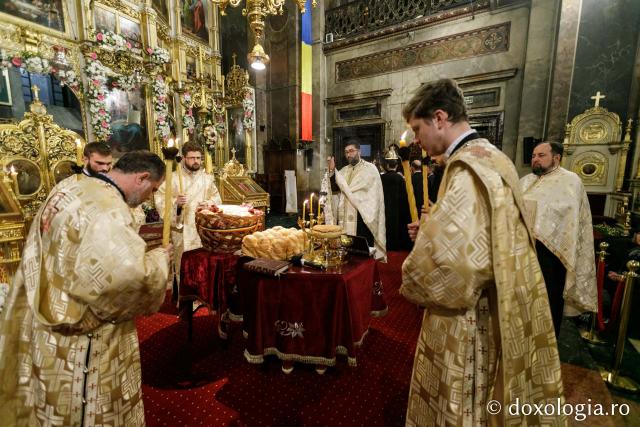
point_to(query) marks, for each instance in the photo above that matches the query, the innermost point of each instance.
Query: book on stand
(270, 267)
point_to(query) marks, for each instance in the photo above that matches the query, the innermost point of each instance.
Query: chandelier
(256, 12)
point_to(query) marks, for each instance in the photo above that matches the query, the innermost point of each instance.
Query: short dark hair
(192, 146)
(416, 164)
(96, 147)
(390, 164)
(556, 147)
(141, 161)
(444, 94)
(353, 142)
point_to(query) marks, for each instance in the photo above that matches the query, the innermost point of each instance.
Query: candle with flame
(14, 179)
(403, 142)
(179, 168)
(79, 152)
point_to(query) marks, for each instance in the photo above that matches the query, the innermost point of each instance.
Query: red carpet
(209, 383)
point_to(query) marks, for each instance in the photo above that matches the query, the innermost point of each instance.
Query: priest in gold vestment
(487, 332)
(360, 203)
(68, 344)
(198, 186)
(558, 206)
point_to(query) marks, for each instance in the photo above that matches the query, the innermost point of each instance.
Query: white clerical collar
(457, 141)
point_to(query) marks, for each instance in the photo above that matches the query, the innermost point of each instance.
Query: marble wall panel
(605, 55)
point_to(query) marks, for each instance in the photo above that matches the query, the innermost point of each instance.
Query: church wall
(529, 54)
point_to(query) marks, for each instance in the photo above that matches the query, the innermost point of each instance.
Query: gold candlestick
(14, 179)
(170, 152)
(311, 206)
(179, 167)
(425, 180)
(407, 179)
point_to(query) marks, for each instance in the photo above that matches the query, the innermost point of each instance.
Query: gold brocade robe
(487, 331)
(558, 207)
(68, 344)
(360, 192)
(199, 187)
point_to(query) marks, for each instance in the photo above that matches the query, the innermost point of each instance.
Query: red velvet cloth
(310, 316)
(211, 278)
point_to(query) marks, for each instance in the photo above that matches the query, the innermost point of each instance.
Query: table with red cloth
(310, 316)
(210, 279)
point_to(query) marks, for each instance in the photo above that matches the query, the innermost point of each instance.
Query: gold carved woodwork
(67, 34)
(236, 187)
(12, 229)
(43, 147)
(595, 126)
(591, 167)
(120, 6)
(236, 82)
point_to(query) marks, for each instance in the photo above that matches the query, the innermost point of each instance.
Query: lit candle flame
(170, 142)
(13, 170)
(403, 142)
(78, 142)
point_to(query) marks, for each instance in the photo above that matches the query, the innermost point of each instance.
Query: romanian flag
(306, 61)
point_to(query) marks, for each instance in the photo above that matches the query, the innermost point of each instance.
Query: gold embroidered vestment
(487, 330)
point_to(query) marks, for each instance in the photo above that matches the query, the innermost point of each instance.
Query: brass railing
(362, 16)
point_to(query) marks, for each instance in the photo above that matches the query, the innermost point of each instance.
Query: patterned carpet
(209, 383)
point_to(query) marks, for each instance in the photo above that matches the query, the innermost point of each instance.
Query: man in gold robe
(68, 344)
(360, 204)
(96, 159)
(558, 207)
(487, 332)
(198, 186)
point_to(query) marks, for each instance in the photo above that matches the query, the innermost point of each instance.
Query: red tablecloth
(310, 316)
(210, 278)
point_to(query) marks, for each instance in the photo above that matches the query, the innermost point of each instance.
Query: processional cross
(233, 151)
(598, 97)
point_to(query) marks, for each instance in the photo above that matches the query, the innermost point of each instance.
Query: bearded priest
(360, 207)
(487, 333)
(198, 186)
(68, 343)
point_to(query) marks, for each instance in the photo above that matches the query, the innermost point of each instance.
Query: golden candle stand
(612, 376)
(326, 249)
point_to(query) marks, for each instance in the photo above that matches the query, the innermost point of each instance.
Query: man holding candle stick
(197, 187)
(487, 332)
(360, 207)
(67, 333)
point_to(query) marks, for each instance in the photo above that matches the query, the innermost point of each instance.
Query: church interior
(271, 89)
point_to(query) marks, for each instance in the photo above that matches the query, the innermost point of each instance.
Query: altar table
(310, 316)
(209, 278)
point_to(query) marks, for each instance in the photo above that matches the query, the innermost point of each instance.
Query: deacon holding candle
(360, 208)
(474, 268)
(94, 274)
(179, 208)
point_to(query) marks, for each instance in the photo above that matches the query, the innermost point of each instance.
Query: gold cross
(234, 58)
(35, 89)
(598, 97)
(233, 151)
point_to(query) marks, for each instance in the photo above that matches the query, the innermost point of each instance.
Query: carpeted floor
(209, 382)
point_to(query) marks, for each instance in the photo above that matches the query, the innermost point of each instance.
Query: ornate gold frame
(19, 22)
(39, 140)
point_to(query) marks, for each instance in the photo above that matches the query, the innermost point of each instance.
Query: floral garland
(97, 98)
(33, 63)
(112, 41)
(210, 137)
(220, 121)
(158, 55)
(249, 119)
(188, 121)
(160, 107)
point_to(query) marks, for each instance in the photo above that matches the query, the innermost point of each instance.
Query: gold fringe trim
(312, 360)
